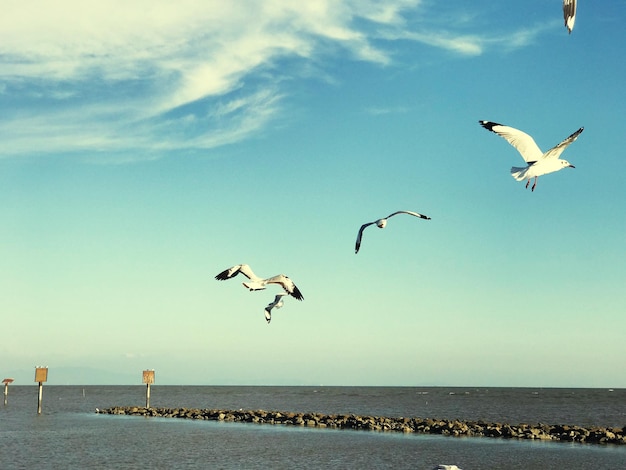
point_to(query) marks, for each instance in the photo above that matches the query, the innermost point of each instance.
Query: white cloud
(383, 110)
(461, 44)
(92, 76)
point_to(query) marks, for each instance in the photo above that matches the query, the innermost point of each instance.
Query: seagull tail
(519, 173)
(253, 285)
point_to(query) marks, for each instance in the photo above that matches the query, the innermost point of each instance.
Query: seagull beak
(572, 166)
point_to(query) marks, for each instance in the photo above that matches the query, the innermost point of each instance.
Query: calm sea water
(68, 434)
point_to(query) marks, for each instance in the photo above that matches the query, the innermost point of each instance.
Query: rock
(595, 435)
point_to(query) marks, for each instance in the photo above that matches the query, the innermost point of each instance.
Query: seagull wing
(276, 301)
(360, 235)
(286, 284)
(232, 272)
(228, 273)
(410, 213)
(246, 271)
(569, 14)
(557, 150)
(524, 143)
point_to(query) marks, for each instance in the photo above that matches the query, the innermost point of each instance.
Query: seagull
(381, 223)
(538, 162)
(259, 283)
(569, 14)
(277, 303)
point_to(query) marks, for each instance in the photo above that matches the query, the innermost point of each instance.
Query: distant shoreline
(454, 388)
(446, 427)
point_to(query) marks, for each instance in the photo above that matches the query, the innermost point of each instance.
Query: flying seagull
(538, 162)
(569, 14)
(277, 303)
(259, 283)
(381, 224)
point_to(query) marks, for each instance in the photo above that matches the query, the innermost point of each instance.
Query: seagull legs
(534, 184)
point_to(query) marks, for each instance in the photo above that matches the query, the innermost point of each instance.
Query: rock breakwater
(457, 428)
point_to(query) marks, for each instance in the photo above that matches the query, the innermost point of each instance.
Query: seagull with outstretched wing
(537, 162)
(381, 223)
(277, 303)
(257, 283)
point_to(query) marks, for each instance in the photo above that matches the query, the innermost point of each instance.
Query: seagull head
(381, 223)
(566, 163)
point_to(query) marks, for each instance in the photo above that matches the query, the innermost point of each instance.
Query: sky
(146, 146)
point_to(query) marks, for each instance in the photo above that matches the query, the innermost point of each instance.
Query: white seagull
(381, 224)
(538, 162)
(277, 303)
(259, 283)
(569, 14)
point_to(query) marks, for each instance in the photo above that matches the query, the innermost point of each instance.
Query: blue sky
(148, 146)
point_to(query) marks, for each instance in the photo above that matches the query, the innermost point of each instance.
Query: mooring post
(40, 398)
(6, 383)
(148, 378)
(41, 376)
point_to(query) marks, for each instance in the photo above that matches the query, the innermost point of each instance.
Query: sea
(68, 434)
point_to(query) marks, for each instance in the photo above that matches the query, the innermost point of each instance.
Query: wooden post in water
(6, 383)
(148, 378)
(41, 376)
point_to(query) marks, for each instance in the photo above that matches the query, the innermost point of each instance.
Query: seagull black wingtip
(489, 125)
(297, 294)
(222, 276)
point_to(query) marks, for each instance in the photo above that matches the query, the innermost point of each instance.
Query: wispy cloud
(383, 110)
(123, 79)
(461, 44)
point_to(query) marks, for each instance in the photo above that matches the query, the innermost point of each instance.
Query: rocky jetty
(457, 428)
